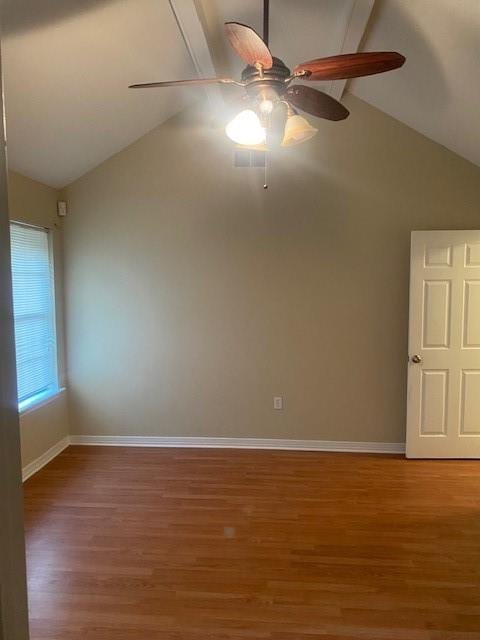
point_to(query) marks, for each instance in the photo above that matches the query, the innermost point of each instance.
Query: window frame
(41, 398)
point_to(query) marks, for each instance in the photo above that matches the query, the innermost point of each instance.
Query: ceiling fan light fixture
(297, 130)
(246, 129)
(266, 107)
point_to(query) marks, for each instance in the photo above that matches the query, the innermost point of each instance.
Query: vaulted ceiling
(67, 65)
(437, 92)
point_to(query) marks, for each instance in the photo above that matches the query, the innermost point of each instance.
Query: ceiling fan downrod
(266, 20)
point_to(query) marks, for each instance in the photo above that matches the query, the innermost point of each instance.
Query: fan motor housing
(256, 81)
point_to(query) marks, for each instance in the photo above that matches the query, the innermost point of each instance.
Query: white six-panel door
(443, 407)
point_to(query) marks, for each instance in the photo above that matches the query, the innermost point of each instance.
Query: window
(34, 314)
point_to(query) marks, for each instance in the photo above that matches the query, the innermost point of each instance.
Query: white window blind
(34, 313)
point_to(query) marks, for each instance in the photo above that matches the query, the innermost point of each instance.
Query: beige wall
(43, 427)
(194, 296)
(35, 203)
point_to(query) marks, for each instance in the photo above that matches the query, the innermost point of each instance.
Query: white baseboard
(34, 466)
(240, 443)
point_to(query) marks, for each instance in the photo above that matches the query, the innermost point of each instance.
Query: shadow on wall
(24, 15)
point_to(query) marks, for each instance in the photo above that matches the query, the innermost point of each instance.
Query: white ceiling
(437, 92)
(67, 64)
(66, 73)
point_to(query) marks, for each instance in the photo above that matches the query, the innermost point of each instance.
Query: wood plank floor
(164, 544)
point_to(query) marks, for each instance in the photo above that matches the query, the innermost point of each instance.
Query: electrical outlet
(278, 403)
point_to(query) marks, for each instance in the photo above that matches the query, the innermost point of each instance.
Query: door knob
(416, 359)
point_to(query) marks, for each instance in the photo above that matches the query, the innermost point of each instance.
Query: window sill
(38, 401)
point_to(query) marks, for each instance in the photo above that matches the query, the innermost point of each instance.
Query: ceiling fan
(271, 118)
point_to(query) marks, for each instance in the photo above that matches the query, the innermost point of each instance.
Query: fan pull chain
(265, 183)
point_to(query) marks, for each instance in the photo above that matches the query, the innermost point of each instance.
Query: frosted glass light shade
(297, 130)
(246, 129)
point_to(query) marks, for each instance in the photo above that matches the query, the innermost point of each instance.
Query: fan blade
(350, 65)
(174, 83)
(248, 44)
(316, 102)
